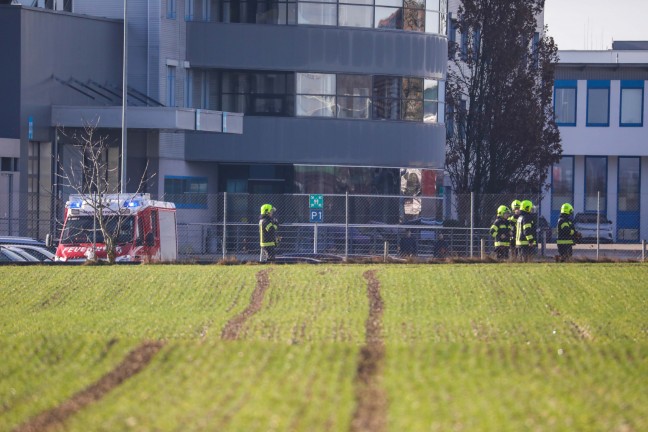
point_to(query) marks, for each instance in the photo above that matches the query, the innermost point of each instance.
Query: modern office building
(599, 101)
(275, 96)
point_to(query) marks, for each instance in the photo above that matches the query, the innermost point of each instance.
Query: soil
(233, 327)
(132, 364)
(371, 398)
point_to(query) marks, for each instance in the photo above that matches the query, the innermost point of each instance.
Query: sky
(594, 24)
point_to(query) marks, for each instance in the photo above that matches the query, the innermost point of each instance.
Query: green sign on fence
(316, 201)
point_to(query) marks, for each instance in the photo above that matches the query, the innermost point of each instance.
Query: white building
(599, 101)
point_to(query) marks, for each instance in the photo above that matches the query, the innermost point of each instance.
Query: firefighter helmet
(567, 209)
(516, 204)
(526, 206)
(502, 210)
(266, 209)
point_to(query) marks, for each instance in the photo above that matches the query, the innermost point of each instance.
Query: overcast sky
(594, 24)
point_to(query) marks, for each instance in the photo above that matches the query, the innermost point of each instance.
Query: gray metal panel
(209, 121)
(324, 142)
(10, 45)
(305, 48)
(137, 117)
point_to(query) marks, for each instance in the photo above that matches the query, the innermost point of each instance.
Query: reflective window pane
(316, 106)
(432, 5)
(562, 182)
(388, 18)
(430, 112)
(353, 107)
(431, 22)
(396, 3)
(629, 183)
(315, 83)
(358, 2)
(386, 109)
(414, 20)
(598, 102)
(354, 85)
(355, 16)
(631, 106)
(595, 181)
(317, 14)
(414, 4)
(412, 110)
(431, 90)
(412, 88)
(565, 106)
(386, 86)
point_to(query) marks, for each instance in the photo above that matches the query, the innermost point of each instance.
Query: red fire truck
(143, 229)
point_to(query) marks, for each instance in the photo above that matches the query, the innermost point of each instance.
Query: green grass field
(479, 347)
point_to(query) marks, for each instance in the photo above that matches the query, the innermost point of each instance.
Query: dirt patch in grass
(233, 327)
(371, 398)
(132, 364)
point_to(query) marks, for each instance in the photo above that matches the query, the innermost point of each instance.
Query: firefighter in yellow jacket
(526, 233)
(268, 226)
(501, 232)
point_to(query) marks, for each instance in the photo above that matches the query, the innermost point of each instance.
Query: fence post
(315, 238)
(224, 224)
(483, 249)
(346, 226)
(544, 242)
(643, 250)
(385, 251)
(472, 221)
(598, 217)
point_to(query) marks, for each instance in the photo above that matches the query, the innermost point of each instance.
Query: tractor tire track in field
(132, 364)
(371, 398)
(233, 327)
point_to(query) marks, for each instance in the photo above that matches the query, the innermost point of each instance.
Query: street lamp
(124, 101)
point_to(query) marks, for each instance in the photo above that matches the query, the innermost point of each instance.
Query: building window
(188, 88)
(9, 164)
(171, 81)
(629, 199)
(189, 10)
(595, 183)
(354, 96)
(171, 9)
(355, 13)
(315, 95)
(565, 102)
(186, 192)
(317, 13)
(562, 186)
(598, 103)
(632, 94)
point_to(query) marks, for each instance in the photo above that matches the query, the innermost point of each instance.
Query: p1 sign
(316, 215)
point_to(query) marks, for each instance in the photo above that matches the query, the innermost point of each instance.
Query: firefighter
(501, 232)
(268, 226)
(567, 234)
(515, 206)
(525, 232)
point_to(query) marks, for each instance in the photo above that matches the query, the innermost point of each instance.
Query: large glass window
(257, 93)
(565, 102)
(315, 95)
(412, 101)
(431, 105)
(632, 94)
(355, 13)
(354, 96)
(562, 186)
(186, 192)
(171, 9)
(595, 183)
(171, 82)
(323, 12)
(598, 103)
(629, 199)
(386, 97)
(259, 12)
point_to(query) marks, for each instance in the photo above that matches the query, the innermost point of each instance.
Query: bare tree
(93, 179)
(501, 131)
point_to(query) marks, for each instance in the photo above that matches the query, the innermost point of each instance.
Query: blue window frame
(565, 102)
(598, 103)
(188, 88)
(171, 9)
(631, 108)
(596, 180)
(171, 80)
(562, 186)
(186, 192)
(628, 199)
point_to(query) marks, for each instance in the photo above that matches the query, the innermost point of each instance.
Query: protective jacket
(501, 232)
(566, 230)
(525, 231)
(268, 231)
(512, 220)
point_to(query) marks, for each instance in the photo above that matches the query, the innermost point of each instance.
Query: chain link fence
(341, 226)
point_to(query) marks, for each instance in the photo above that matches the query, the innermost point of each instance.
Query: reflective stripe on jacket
(501, 232)
(526, 230)
(566, 230)
(267, 231)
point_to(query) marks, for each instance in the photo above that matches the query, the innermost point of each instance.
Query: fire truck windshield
(79, 229)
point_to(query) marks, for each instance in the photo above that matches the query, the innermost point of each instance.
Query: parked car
(585, 224)
(41, 253)
(8, 256)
